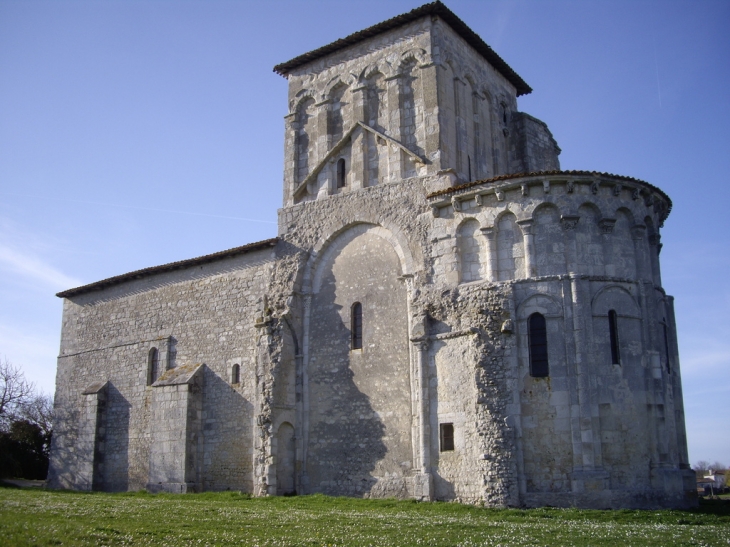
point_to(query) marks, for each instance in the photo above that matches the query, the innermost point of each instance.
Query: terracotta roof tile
(432, 9)
(146, 272)
(466, 186)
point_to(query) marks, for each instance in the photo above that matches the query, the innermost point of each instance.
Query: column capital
(526, 225)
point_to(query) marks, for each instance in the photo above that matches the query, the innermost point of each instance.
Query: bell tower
(417, 95)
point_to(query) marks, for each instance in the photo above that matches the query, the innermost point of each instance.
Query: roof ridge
(170, 266)
(436, 8)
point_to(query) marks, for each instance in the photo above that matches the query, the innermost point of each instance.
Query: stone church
(444, 314)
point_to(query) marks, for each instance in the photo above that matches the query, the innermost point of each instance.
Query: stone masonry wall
(207, 314)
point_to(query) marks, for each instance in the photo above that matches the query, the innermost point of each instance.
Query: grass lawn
(39, 517)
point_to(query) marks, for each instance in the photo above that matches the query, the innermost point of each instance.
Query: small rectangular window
(447, 437)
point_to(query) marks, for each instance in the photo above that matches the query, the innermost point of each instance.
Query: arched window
(236, 374)
(356, 325)
(537, 339)
(613, 335)
(153, 366)
(341, 173)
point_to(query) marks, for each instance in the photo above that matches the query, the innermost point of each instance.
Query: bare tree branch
(38, 410)
(15, 390)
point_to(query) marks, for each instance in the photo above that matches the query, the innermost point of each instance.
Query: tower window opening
(341, 174)
(468, 161)
(613, 335)
(537, 341)
(356, 325)
(236, 374)
(153, 366)
(446, 437)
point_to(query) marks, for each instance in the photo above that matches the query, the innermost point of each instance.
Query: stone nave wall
(201, 321)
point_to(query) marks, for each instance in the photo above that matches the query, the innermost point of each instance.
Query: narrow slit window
(537, 340)
(468, 160)
(613, 334)
(446, 435)
(153, 366)
(356, 325)
(236, 374)
(341, 174)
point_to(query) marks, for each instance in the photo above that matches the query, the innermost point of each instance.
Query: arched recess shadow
(323, 250)
(359, 425)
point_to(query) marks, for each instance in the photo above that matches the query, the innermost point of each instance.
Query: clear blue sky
(143, 132)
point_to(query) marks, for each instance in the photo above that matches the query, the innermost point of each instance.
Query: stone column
(424, 481)
(427, 127)
(643, 265)
(460, 133)
(394, 124)
(655, 248)
(530, 266)
(359, 143)
(569, 222)
(321, 147)
(491, 253)
(588, 473)
(290, 158)
(303, 487)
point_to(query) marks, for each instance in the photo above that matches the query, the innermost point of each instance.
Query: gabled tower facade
(417, 95)
(444, 314)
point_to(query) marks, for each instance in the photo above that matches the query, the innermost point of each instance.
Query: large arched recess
(359, 400)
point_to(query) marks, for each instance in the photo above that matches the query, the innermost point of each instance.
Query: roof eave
(432, 9)
(155, 270)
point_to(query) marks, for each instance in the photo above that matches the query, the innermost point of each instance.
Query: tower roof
(431, 9)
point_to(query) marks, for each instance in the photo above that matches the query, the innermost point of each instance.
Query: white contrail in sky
(35, 268)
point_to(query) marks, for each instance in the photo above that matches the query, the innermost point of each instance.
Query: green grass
(38, 517)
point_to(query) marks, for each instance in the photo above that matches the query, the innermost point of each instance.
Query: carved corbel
(617, 190)
(649, 200)
(435, 211)
(499, 194)
(479, 200)
(456, 204)
(570, 186)
(525, 189)
(546, 186)
(635, 194)
(594, 187)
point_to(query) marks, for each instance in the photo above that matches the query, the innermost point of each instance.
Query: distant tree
(24, 451)
(26, 425)
(15, 392)
(39, 411)
(701, 466)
